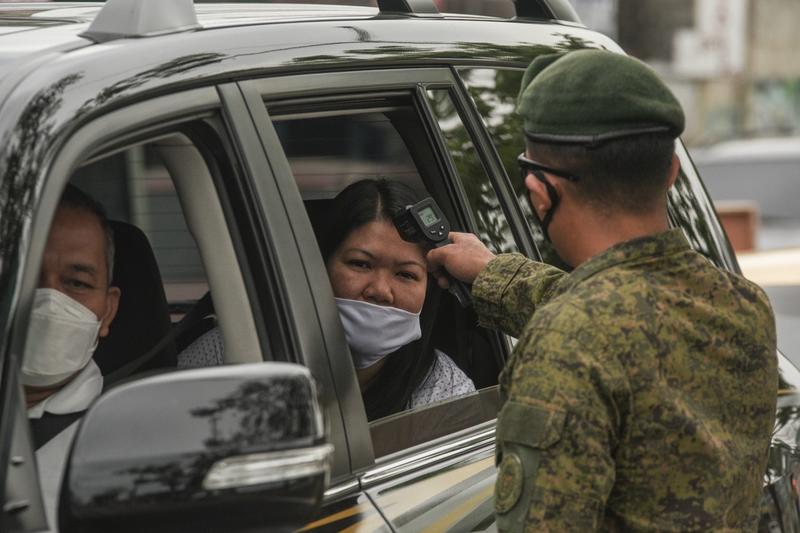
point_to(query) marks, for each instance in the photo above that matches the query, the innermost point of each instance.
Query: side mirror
(237, 448)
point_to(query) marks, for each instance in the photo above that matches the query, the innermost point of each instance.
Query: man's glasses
(528, 165)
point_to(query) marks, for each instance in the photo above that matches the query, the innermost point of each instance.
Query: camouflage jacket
(640, 396)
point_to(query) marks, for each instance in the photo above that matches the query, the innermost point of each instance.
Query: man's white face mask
(62, 337)
(375, 331)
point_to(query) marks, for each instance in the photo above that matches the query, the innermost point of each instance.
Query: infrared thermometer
(425, 223)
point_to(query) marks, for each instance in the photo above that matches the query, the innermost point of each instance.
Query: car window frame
(259, 93)
(52, 178)
(138, 122)
(501, 181)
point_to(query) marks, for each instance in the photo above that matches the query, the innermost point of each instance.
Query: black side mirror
(237, 448)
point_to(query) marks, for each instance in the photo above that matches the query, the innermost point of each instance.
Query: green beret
(591, 96)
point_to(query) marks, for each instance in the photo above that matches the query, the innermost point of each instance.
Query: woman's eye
(357, 263)
(408, 275)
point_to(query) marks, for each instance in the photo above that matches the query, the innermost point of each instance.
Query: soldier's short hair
(629, 173)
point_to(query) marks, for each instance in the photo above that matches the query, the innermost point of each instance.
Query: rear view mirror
(236, 448)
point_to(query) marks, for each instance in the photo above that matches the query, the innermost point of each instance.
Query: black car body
(256, 114)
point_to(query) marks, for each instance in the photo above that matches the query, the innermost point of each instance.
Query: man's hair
(628, 174)
(74, 198)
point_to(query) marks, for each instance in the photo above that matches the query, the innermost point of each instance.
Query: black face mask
(538, 169)
(544, 223)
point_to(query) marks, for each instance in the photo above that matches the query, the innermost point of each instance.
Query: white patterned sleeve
(445, 380)
(207, 350)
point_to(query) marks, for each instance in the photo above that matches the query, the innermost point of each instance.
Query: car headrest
(143, 317)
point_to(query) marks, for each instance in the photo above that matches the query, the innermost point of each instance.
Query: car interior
(330, 145)
(165, 204)
(172, 247)
(329, 149)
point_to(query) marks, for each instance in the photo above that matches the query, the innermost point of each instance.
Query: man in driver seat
(73, 307)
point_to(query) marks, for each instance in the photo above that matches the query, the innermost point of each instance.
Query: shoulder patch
(508, 486)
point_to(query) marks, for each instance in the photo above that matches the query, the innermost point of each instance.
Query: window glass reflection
(494, 92)
(488, 215)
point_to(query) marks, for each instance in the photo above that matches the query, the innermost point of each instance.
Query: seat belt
(201, 309)
(49, 425)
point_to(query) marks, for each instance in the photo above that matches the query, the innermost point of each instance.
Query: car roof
(209, 15)
(28, 28)
(35, 33)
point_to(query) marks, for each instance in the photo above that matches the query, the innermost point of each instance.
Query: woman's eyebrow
(365, 252)
(397, 263)
(412, 262)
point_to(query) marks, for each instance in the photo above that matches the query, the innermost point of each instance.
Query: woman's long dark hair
(359, 204)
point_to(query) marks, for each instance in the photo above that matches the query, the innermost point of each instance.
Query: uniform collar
(76, 396)
(634, 250)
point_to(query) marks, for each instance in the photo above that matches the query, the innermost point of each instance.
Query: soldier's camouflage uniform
(641, 393)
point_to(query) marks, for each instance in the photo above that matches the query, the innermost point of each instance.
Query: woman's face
(374, 264)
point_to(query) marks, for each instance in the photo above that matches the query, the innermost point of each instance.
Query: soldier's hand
(464, 259)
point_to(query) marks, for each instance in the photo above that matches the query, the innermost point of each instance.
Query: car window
(331, 145)
(691, 210)
(490, 221)
(174, 238)
(135, 187)
(138, 187)
(494, 92)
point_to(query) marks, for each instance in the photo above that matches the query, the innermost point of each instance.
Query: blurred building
(733, 63)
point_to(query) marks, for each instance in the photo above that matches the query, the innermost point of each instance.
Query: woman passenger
(380, 282)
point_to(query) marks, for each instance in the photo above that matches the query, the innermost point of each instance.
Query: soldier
(641, 393)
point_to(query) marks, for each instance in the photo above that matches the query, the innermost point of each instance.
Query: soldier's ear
(537, 190)
(674, 170)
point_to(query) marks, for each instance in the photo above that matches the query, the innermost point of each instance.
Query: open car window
(167, 193)
(173, 247)
(136, 188)
(332, 143)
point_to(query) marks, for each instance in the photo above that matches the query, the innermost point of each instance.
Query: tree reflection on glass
(784, 453)
(494, 92)
(23, 151)
(692, 211)
(492, 227)
(259, 416)
(416, 50)
(170, 68)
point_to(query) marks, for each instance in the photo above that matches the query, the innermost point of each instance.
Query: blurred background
(735, 66)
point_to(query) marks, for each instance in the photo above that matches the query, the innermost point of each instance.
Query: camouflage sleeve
(510, 288)
(557, 432)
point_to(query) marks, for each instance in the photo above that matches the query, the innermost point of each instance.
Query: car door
(432, 464)
(229, 203)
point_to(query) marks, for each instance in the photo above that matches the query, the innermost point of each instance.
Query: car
(215, 136)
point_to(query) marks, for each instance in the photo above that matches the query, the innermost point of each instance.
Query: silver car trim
(427, 457)
(342, 489)
(269, 467)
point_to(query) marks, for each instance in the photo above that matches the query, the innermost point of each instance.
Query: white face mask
(62, 336)
(375, 331)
